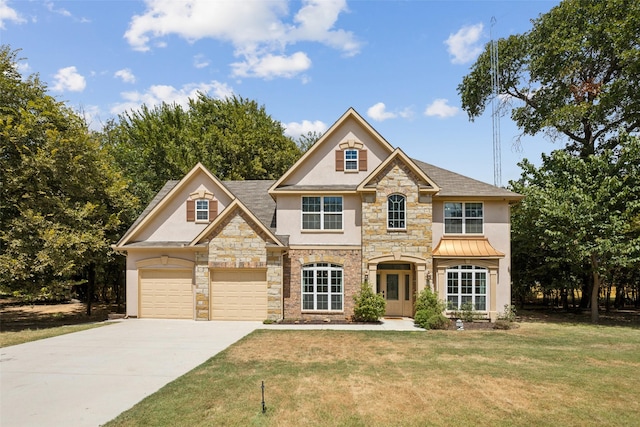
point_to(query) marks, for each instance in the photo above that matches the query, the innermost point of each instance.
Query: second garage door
(238, 295)
(166, 294)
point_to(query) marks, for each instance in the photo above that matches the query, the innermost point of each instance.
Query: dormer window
(351, 160)
(202, 210)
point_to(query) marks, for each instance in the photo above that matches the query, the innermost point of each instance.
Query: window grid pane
(396, 211)
(463, 218)
(467, 284)
(202, 210)
(322, 213)
(351, 159)
(322, 287)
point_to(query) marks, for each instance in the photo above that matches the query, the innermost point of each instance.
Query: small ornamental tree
(369, 306)
(429, 311)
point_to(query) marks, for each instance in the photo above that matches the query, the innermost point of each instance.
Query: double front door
(397, 289)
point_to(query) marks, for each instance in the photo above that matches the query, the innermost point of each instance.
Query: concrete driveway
(88, 378)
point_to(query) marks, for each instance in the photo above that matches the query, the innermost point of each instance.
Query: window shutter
(362, 160)
(339, 160)
(213, 209)
(191, 210)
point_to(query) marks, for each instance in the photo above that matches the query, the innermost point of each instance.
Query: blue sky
(398, 63)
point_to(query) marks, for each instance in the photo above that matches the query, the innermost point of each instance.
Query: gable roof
(430, 187)
(254, 195)
(236, 204)
(350, 113)
(163, 197)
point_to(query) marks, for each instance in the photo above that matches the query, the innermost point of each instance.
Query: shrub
(429, 311)
(509, 313)
(369, 307)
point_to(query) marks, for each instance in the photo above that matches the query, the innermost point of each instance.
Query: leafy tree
(575, 74)
(234, 138)
(581, 212)
(61, 201)
(306, 141)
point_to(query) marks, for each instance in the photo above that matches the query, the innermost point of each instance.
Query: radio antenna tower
(495, 108)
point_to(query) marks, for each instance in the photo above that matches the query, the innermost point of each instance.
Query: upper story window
(322, 213)
(463, 218)
(351, 160)
(396, 213)
(202, 210)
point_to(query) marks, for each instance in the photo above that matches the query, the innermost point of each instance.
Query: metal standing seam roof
(466, 248)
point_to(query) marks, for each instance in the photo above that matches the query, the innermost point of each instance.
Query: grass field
(27, 335)
(540, 374)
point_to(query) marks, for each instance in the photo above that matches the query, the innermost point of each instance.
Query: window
(202, 210)
(322, 213)
(351, 160)
(467, 284)
(396, 212)
(322, 287)
(463, 218)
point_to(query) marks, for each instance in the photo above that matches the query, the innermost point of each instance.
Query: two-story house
(352, 209)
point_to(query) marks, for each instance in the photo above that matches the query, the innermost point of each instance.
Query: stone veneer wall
(235, 243)
(416, 241)
(350, 259)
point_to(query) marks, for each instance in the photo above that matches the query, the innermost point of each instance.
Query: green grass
(27, 335)
(539, 374)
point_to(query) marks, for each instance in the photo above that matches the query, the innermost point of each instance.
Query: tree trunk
(91, 285)
(595, 290)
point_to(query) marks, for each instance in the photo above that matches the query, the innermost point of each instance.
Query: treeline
(68, 193)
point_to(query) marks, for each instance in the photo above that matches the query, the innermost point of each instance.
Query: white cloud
(200, 61)
(270, 66)
(440, 108)
(158, 94)
(260, 31)
(69, 79)
(50, 6)
(9, 14)
(379, 113)
(126, 75)
(295, 129)
(464, 45)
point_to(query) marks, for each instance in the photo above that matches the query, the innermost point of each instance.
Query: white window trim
(405, 213)
(463, 218)
(474, 270)
(329, 267)
(206, 211)
(321, 213)
(355, 161)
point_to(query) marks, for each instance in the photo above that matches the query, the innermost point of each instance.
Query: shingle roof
(168, 186)
(254, 195)
(455, 185)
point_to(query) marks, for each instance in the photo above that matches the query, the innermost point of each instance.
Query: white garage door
(166, 294)
(239, 295)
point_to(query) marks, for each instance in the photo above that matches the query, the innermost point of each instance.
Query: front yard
(539, 374)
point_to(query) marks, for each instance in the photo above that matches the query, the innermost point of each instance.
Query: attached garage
(238, 294)
(166, 293)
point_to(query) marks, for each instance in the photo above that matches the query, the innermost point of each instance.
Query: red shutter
(362, 160)
(213, 209)
(191, 210)
(339, 160)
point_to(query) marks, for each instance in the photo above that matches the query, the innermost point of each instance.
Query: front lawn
(539, 374)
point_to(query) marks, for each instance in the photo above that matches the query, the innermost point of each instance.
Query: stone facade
(235, 243)
(414, 243)
(349, 259)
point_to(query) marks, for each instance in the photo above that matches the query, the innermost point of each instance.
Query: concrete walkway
(88, 378)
